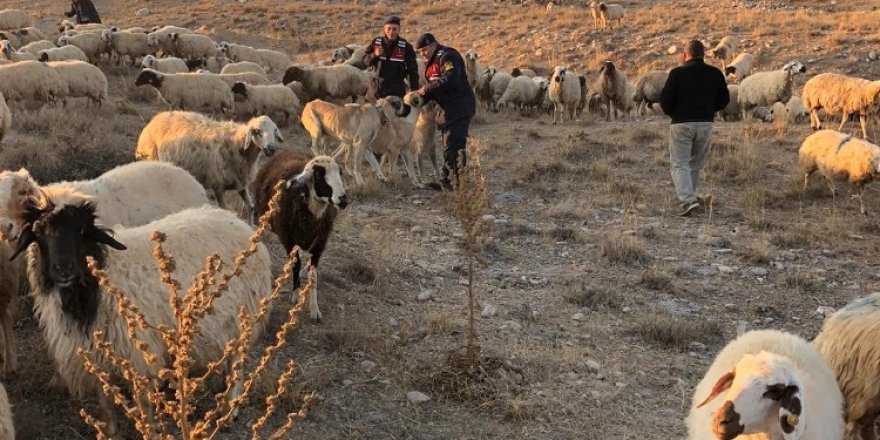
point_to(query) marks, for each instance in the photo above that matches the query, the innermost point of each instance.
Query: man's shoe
(439, 186)
(689, 208)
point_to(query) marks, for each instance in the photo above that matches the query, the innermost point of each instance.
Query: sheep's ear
(251, 137)
(790, 409)
(300, 180)
(25, 239)
(721, 385)
(97, 235)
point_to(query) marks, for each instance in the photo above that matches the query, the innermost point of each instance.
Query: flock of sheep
(773, 383)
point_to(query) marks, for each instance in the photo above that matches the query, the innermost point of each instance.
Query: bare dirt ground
(609, 306)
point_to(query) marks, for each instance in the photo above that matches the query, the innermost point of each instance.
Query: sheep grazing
(192, 46)
(355, 126)
(190, 91)
(848, 342)
(70, 304)
(612, 86)
(838, 156)
(766, 88)
(472, 67)
(243, 67)
(5, 117)
(740, 67)
(64, 53)
(524, 93)
(7, 52)
(265, 100)
(609, 13)
(273, 60)
(309, 205)
(843, 95)
(564, 91)
(35, 47)
(90, 44)
(31, 80)
(15, 19)
(774, 385)
(795, 110)
(648, 89)
(83, 80)
(220, 155)
(127, 44)
(158, 38)
(332, 82)
(725, 49)
(165, 65)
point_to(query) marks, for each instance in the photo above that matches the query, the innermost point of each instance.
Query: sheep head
(340, 54)
(324, 181)
(151, 77)
(107, 35)
(149, 62)
(607, 68)
(152, 39)
(794, 66)
(18, 189)
(43, 56)
(6, 49)
(262, 133)
(559, 74)
(515, 72)
(240, 91)
(294, 73)
(490, 71)
(471, 55)
(764, 395)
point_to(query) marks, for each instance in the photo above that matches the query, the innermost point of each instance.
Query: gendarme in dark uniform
(448, 87)
(394, 59)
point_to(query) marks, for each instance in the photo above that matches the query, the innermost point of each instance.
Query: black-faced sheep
(311, 201)
(63, 53)
(564, 92)
(190, 91)
(740, 67)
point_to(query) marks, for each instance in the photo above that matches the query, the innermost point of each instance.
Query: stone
(725, 269)
(578, 316)
(489, 311)
(367, 366)
(417, 397)
(512, 325)
(347, 382)
(873, 56)
(142, 11)
(393, 322)
(759, 271)
(592, 365)
(672, 50)
(824, 311)
(426, 295)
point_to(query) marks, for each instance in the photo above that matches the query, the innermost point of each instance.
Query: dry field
(609, 306)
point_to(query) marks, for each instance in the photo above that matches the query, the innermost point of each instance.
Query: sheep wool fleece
(688, 149)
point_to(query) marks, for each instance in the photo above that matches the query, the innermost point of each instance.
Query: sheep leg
(815, 123)
(862, 121)
(249, 203)
(316, 250)
(843, 122)
(807, 179)
(862, 203)
(831, 186)
(108, 415)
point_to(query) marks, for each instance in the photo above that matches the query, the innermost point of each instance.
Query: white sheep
(839, 156)
(339, 81)
(193, 46)
(609, 13)
(158, 38)
(216, 63)
(523, 71)
(648, 89)
(522, 92)
(231, 78)
(243, 67)
(5, 117)
(31, 80)
(15, 19)
(36, 47)
(165, 65)
(848, 341)
(357, 57)
(732, 111)
(7, 52)
(774, 385)
(612, 85)
(127, 44)
(70, 231)
(265, 100)
(68, 26)
(841, 94)
(65, 53)
(766, 88)
(795, 110)
(740, 67)
(564, 91)
(90, 44)
(498, 82)
(627, 103)
(239, 52)
(220, 155)
(472, 67)
(83, 80)
(273, 60)
(191, 91)
(725, 49)
(23, 36)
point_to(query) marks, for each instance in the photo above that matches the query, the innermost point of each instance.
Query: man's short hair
(695, 49)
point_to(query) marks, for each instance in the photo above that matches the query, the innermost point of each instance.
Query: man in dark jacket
(84, 11)
(691, 96)
(448, 87)
(394, 59)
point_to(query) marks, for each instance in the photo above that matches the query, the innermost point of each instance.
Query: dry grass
(672, 333)
(623, 249)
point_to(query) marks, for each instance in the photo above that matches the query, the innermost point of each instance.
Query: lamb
(165, 65)
(31, 80)
(127, 44)
(740, 67)
(472, 67)
(244, 67)
(765, 88)
(356, 59)
(220, 155)
(311, 201)
(565, 90)
(273, 60)
(777, 386)
(83, 79)
(522, 92)
(725, 49)
(238, 53)
(15, 19)
(7, 52)
(192, 46)
(610, 12)
(5, 118)
(36, 47)
(795, 110)
(65, 53)
(732, 111)
(840, 94)
(848, 342)
(71, 305)
(332, 82)
(192, 91)
(355, 126)
(264, 100)
(159, 38)
(612, 86)
(648, 89)
(90, 44)
(839, 156)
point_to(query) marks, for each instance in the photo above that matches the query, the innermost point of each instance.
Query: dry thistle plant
(469, 203)
(155, 413)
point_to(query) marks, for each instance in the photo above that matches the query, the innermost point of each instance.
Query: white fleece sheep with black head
(564, 92)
